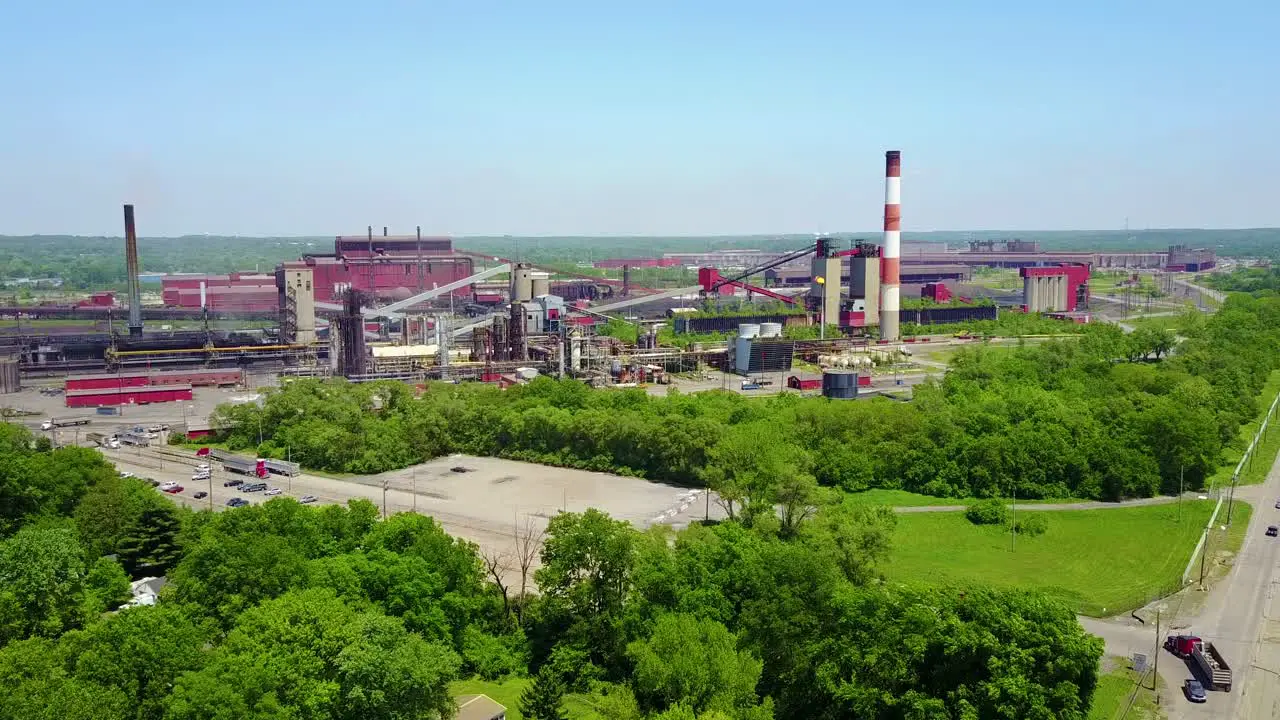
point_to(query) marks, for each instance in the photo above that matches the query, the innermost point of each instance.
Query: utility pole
(384, 498)
(1204, 552)
(1155, 671)
(1013, 526)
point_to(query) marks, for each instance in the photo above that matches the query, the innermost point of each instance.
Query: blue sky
(680, 118)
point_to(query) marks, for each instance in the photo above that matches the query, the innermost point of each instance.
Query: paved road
(1241, 616)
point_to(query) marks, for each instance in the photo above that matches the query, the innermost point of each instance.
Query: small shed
(479, 707)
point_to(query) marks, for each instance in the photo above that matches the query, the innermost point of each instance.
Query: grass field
(1159, 322)
(1267, 449)
(507, 692)
(1111, 700)
(1100, 562)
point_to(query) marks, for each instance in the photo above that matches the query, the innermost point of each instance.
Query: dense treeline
(282, 610)
(86, 263)
(1250, 280)
(1093, 417)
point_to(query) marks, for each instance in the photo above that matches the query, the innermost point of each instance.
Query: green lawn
(1267, 449)
(507, 692)
(1111, 700)
(1100, 562)
(1160, 322)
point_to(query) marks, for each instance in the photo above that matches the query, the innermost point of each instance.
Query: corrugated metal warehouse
(127, 396)
(213, 377)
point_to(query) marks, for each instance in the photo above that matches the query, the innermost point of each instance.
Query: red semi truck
(1209, 663)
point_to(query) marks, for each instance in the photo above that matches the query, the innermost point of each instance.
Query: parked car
(169, 485)
(199, 476)
(126, 474)
(1273, 531)
(202, 467)
(1195, 691)
(272, 491)
(200, 495)
(236, 502)
(175, 489)
(307, 499)
(1278, 504)
(233, 482)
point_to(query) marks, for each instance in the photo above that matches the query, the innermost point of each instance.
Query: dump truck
(63, 422)
(1208, 663)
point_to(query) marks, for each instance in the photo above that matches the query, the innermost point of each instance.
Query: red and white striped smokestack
(891, 249)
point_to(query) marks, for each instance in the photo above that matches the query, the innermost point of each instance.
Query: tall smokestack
(131, 263)
(891, 252)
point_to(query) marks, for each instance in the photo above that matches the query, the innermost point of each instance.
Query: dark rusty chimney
(131, 263)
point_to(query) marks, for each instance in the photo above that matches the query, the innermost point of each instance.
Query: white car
(168, 485)
(306, 499)
(125, 474)
(200, 475)
(272, 491)
(202, 467)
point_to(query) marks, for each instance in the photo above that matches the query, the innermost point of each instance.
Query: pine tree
(542, 699)
(151, 545)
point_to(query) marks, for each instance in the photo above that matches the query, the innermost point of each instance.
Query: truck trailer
(103, 440)
(1206, 660)
(244, 466)
(282, 467)
(63, 422)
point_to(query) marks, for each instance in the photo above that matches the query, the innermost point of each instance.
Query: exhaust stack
(891, 252)
(131, 262)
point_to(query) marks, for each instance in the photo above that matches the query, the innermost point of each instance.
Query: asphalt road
(1241, 617)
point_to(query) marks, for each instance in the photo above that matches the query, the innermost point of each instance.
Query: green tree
(35, 685)
(150, 544)
(43, 584)
(544, 698)
(308, 654)
(693, 662)
(139, 652)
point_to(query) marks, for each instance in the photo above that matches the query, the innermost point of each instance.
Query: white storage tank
(770, 330)
(748, 330)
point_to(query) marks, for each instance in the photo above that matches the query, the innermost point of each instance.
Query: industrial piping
(891, 252)
(131, 261)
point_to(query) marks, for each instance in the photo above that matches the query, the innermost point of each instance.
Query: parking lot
(483, 500)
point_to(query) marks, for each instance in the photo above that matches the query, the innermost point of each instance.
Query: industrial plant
(413, 308)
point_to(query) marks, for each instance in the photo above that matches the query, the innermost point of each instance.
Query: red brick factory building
(392, 267)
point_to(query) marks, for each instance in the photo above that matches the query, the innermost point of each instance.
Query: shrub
(988, 512)
(1032, 525)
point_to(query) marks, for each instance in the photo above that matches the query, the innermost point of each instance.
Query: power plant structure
(414, 307)
(891, 250)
